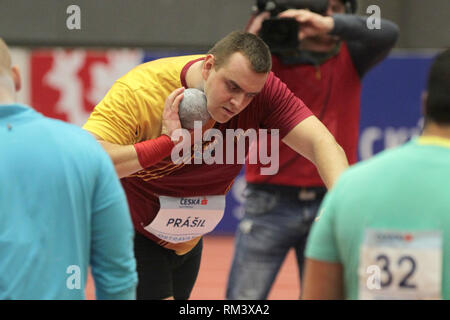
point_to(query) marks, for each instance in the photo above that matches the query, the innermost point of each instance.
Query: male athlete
(173, 204)
(383, 231)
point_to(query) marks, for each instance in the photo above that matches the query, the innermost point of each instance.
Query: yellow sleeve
(114, 119)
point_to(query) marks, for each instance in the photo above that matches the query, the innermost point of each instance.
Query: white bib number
(400, 265)
(183, 219)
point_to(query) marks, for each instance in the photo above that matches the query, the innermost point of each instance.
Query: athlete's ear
(15, 72)
(208, 66)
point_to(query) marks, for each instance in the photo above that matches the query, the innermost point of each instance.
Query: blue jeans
(276, 219)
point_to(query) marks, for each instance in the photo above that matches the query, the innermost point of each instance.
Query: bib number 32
(400, 265)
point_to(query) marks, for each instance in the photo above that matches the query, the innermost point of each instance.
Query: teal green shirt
(403, 189)
(62, 210)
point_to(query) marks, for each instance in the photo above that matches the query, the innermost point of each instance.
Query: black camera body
(281, 34)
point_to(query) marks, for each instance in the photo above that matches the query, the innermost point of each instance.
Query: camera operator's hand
(255, 24)
(311, 24)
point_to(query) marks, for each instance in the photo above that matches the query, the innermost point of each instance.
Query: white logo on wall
(74, 280)
(104, 75)
(390, 137)
(64, 77)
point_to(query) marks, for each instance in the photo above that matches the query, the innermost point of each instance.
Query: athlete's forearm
(330, 160)
(129, 159)
(311, 139)
(125, 158)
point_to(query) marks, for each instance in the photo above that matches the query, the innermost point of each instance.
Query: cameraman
(336, 49)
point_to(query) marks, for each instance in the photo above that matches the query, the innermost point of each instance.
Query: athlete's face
(231, 87)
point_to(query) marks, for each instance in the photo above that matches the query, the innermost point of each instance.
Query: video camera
(281, 34)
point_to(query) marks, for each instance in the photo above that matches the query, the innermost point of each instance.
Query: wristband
(153, 151)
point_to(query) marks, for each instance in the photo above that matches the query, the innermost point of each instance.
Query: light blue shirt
(62, 209)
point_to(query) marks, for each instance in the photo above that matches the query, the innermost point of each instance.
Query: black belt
(299, 193)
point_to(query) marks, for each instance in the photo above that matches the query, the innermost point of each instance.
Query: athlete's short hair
(437, 106)
(249, 45)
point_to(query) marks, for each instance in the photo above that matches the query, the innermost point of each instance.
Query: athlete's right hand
(170, 117)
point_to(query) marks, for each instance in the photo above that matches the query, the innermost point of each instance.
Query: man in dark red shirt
(336, 50)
